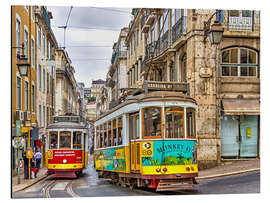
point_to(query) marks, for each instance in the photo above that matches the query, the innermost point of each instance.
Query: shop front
(240, 123)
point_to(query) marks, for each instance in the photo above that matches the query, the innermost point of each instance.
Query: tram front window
(65, 139)
(174, 124)
(53, 140)
(77, 140)
(152, 122)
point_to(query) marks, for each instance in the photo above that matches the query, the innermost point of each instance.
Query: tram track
(52, 183)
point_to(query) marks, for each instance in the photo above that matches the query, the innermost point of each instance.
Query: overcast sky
(89, 26)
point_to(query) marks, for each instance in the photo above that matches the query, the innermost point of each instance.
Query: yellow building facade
(23, 87)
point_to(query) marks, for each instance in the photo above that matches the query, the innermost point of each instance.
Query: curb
(31, 184)
(227, 174)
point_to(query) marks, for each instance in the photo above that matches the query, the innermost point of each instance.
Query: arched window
(239, 62)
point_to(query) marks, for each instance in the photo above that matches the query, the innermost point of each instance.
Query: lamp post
(23, 67)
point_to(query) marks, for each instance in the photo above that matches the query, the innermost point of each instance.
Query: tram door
(134, 134)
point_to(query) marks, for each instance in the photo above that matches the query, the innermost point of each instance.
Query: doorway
(239, 136)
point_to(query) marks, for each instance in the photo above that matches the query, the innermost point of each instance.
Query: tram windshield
(174, 124)
(53, 140)
(65, 139)
(77, 140)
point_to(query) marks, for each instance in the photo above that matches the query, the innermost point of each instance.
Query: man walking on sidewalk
(38, 157)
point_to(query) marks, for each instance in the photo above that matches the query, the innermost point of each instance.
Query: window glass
(190, 123)
(234, 55)
(246, 13)
(234, 71)
(243, 55)
(18, 33)
(77, 140)
(225, 56)
(173, 16)
(244, 71)
(174, 124)
(174, 108)
(234, 13)
(225, 71)
(252, 71)
(18, 93)
(120, 138)
(65, 139)
(251, 57)
(152, 122)
(166, 20)
(177, 14)
(53, 140)
(26, 50)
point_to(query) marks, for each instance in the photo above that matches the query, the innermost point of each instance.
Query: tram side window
(120, 131)
(65, 139)
(53, 143)
(190, 123)
(152, 122)
(77, 140)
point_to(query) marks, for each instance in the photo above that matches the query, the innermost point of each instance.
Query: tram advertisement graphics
(177, 152)
(112, 159)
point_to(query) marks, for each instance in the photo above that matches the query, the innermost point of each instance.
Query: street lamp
(23, 64)
(215, 32)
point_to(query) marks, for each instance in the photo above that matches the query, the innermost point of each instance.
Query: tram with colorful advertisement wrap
(149, 140)
(66, 146)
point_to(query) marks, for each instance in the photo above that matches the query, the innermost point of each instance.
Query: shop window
(190, 119)
(77, 140)
(239, 62)
(152, 122)
(53, 140)
(65, 139)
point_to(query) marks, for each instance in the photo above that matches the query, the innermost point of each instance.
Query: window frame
(18, 93)
(65, 135)
(49, 143)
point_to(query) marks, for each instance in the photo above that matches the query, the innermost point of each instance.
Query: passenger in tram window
(105, 141)
(114, 140)
(120, 138)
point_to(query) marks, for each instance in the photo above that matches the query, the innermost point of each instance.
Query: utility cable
(65, 27)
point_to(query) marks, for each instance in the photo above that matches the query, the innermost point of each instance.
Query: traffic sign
(25, 129)
(29, 153)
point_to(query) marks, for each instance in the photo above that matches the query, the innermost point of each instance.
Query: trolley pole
(29, 161)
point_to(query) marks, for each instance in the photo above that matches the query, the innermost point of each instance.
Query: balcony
(45, 16)
(147, 19)
(165, 86)
(179, 29)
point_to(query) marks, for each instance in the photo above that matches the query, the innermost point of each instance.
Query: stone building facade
(169, 46)
(67, 95)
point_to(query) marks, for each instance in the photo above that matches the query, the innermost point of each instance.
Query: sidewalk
(229, 168)
(24, 183)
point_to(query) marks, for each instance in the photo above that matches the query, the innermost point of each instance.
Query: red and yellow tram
(66, 146)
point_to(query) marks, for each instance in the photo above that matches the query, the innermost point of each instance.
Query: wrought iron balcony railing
(179, 29)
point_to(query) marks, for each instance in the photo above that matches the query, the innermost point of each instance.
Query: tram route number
(147, 149)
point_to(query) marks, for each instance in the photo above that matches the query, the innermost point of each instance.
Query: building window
(239, 62)
(18, 93)
(32, 13)
(44, 117)
(26, 36)
(39, 76)
(240, 19)
(33, 98)
(39, 37)
(43, 44)
(33, 53)
(44, 80)
(39, 115)
(18, 33)
(26, 95)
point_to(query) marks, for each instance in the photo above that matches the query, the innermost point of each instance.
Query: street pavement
(227, 169)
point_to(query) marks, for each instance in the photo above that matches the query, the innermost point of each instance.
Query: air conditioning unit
(27, 115)
(19, 115)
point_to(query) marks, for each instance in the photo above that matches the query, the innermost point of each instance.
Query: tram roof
(71, 125)
(151, 97)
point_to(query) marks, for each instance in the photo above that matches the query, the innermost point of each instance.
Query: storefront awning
(241, 106)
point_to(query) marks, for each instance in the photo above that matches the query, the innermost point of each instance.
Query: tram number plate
(147, 149)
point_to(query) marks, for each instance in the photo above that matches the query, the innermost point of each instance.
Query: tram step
(174, 185)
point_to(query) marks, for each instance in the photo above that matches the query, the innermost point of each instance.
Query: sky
(90, 34)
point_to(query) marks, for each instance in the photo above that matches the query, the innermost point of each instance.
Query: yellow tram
(149, 140)
(67, 146)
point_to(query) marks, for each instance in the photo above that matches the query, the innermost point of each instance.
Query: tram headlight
(64, 161)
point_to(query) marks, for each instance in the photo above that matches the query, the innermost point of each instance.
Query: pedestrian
(26, 165)
(38, 157)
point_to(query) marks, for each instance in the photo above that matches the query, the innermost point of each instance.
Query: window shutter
(220, 16)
